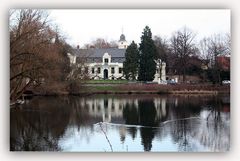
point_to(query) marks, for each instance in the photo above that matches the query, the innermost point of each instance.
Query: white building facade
(108, 63)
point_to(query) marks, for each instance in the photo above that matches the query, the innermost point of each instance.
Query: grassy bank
(156, 89)
(134, 88)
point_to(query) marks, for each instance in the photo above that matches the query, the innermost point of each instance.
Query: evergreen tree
(148, 55)
(130, 65)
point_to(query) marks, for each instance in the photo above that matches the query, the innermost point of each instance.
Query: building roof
(95, 55)
(98, 53)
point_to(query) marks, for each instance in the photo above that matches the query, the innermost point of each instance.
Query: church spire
(122, 37)
(122, 42)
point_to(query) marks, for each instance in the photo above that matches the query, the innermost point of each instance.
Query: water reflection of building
(132, 111)
(106, 108)
(42, 123)
(160, 105)
(110, 108)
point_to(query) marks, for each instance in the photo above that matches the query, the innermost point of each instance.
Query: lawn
(154, 88)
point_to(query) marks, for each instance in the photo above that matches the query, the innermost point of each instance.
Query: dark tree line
(190, 57)
(183, 55)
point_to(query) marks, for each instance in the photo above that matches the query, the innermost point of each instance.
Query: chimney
(77, 46)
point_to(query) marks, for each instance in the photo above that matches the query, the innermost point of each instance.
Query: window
(112, 70)
(92, 70)
(119, 70)
(98, 70)
(106, 60)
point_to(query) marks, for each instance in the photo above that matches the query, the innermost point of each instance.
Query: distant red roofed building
(224, 62)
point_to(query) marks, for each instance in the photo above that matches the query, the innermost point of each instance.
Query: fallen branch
(100, 124)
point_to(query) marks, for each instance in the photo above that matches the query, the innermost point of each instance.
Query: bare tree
(79, 67)
(162, 46)
(213, 47)
(34, 51)
(182, 45)
(101, 43)
(113, 44)
(228, 43)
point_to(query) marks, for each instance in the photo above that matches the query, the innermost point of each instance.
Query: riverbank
(88, 89)
(156, 89)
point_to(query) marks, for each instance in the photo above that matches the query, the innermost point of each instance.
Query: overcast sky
(83, 26)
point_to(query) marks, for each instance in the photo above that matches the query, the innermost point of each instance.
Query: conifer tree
(131, 64)
(148, 55)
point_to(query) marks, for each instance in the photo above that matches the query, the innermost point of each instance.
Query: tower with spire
(122, 43)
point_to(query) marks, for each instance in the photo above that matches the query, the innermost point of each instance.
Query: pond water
(122, 123)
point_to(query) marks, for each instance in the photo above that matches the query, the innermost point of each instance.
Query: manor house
(107, 63)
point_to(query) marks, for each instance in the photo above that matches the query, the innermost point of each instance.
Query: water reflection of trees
(39, 125)
(145, 115)
(215, 132)
(211, 131)
(42, 122)
(189, 132)
(187, 107)
(130, 114)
